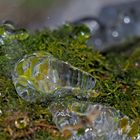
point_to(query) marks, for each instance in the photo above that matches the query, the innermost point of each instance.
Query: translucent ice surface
(87, 121)
(42, 74)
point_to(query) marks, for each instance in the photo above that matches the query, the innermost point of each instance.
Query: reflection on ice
(87, 121)
(40, 74)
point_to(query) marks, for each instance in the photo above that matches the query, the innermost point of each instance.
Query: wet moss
(117, 74)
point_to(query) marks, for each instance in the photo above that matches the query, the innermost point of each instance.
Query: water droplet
(40, 74)
(127, 20)
(81, 33)
(91, 23)
(21, 34)
(9, 24)
(93, 26)
(115, 34)
(6, 30)
(137, 64)
(22, 122)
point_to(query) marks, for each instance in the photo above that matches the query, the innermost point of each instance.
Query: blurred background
(36, 14)
(111, 22)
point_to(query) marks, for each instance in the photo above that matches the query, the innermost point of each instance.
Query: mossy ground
(117, 74)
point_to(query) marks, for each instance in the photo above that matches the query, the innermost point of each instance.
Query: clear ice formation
(88, 121)
(40, 74)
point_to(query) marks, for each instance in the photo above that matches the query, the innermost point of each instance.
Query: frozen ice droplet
(95, 120)
(40, 74)
(62, 117)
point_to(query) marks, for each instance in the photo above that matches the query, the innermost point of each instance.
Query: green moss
(117, 74)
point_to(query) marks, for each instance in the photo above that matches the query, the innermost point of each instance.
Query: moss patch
(117, 74)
